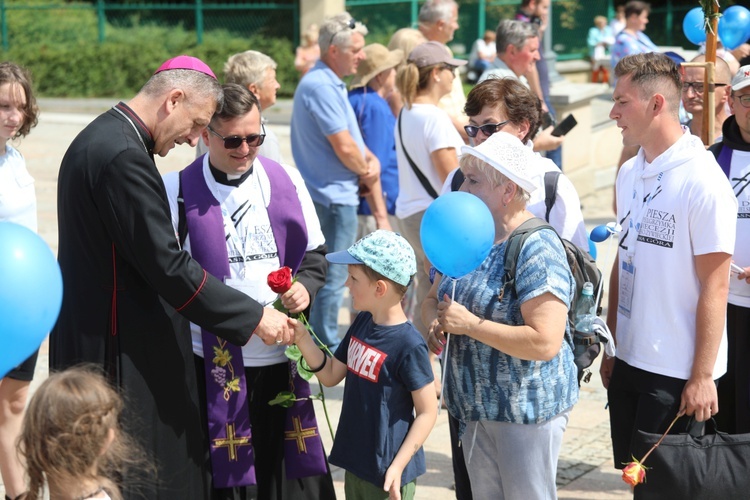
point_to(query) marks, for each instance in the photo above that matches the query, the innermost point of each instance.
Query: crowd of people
(171, 302)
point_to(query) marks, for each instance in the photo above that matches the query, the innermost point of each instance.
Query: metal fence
(97, 19)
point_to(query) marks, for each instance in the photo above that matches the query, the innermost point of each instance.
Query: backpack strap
(420, 176)
(515, 243)
(550, 190)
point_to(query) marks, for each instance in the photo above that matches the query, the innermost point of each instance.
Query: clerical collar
(140, 127)
(229, 180)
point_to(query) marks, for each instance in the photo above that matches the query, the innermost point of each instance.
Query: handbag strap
(422, 179)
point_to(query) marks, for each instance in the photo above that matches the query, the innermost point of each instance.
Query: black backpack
(583, 267)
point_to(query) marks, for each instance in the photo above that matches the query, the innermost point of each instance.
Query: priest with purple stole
(243, 216)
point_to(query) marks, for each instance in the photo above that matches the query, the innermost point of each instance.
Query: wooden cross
(232, 442)
(299, 434)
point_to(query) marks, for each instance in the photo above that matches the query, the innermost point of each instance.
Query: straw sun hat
(378, 59)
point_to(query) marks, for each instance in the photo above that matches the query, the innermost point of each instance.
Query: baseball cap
(742, 78)
(186, 62)
(508, 155)
(431, 53)
(384, 252)
(379, 59)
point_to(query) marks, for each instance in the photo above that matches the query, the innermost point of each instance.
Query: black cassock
(124, 276)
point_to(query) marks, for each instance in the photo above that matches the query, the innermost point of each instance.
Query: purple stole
(226, 389)
(725, 159)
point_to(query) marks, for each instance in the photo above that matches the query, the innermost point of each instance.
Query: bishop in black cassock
(128, 286)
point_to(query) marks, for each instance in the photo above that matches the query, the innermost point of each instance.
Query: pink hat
(186, 62)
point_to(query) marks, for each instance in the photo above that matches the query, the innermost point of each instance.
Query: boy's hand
(393, 483)
(299, 331)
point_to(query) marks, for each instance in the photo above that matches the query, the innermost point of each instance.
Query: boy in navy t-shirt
(389, 405)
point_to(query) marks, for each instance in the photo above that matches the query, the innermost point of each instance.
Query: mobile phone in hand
(564, 126)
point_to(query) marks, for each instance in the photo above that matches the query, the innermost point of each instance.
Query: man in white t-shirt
(733, 155)
(670, 281)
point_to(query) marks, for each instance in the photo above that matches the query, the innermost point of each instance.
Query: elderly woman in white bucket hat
(375, 79)
(510, 377)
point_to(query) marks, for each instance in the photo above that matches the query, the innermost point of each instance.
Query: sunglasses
(351, 24)
(487, 129)
(235, 141)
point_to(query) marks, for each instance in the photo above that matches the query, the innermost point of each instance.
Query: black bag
(583, 267)
(715, 466)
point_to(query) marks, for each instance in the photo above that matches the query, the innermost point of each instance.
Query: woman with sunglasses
(506, 104)
(427, 145)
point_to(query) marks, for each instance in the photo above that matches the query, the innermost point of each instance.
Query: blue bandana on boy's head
(384, 252)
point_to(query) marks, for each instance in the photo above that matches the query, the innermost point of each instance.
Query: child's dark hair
(13, 73)
(67, 430)
(375, 276)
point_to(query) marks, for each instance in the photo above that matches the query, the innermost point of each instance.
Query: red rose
(280, 281)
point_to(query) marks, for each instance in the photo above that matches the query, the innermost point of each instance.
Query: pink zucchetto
(186, 62)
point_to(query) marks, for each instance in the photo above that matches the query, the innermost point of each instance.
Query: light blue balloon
(592, 249)
(734, 26)
(693, 26)
(457, 233)
(30, 293)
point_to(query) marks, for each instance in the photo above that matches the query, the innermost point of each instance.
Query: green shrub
(61, 49)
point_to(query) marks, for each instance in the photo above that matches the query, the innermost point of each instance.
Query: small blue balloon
(693, 26)
(600, 233)
(457, 233)
(734, 26)
(30, 293)
(592, 249)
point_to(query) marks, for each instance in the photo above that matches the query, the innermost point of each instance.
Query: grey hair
(515, 33)
(493, 176)
(197, 85)
(332, 29)
(436, 10)
(247, 68)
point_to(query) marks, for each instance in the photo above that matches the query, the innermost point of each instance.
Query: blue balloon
(30, 293)
(734, 26)
(599, 234)
(592, 249)
(693, 26)
(457, 233)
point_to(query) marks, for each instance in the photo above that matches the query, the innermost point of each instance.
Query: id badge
(248, 287)
(627, 278)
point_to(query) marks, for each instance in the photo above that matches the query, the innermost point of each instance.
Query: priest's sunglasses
(235, 141)
(487, 129)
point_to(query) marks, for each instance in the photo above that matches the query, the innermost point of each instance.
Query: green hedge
(60, 49)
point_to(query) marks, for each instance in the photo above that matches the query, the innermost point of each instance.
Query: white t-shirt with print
(425, 128)
(253, 230)
(17, 197)
(739, 179)
(686, 217)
